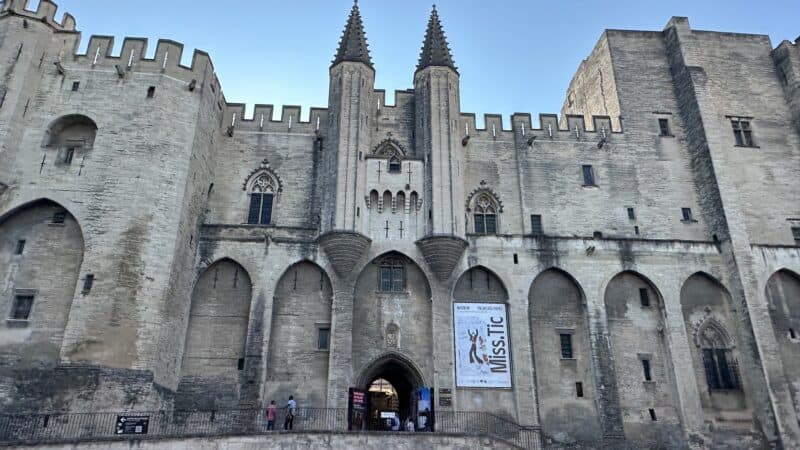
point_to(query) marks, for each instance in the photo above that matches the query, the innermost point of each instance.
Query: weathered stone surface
(344, 249)
(442, 253)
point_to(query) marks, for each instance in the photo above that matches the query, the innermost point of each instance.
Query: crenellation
(289, 121)
(45, 12)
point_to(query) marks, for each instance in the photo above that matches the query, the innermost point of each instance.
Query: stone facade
(180, 255)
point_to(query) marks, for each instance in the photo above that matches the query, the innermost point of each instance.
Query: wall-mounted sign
(132, 424)
(445, 397)
(357, 410)
(482, 345)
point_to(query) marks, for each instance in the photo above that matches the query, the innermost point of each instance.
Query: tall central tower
(438, 107)
(352, 81)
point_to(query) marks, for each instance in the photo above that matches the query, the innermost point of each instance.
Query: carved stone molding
(442, 253)
(344, 249)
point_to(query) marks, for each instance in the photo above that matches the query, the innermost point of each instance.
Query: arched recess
(783, 295)
(215, 340)
(297, 363)
(479, 284)
(72, 136)
(41, 253)
(392, 313)
(706, 306)
(562, 358)
(643, 366)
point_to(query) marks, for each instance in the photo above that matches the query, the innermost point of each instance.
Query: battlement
(401, 97)
(46, 13)
(234, 120)
(549, 126)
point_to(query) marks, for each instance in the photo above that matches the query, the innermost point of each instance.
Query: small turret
(435, 50)
(353, 45)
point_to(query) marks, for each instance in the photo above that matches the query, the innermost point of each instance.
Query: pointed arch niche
(393, 312)
(214, 350)
(483, 210)
(297, 363)
(643, 366)
(562, 357)
(783, 295)
(41, 253)
(707, 312)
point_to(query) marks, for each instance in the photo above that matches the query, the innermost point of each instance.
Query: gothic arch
(480, 283)
(299, 337)
(216, 336)
(70, 126)
(390, 148)
(263, 179)
(44, 243)
(711, 333)
(406, 366)
(393, 295)
(562, 357)
(485, 193)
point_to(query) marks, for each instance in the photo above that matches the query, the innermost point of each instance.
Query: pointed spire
(435, 50)
(353, 45)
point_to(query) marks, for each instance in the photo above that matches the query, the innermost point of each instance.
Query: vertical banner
(482, 345)
(356, 410)
(424, 409)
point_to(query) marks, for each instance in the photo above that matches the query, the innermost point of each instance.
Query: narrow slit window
(151, 92)
(516, 259)
(323, 338)
(20, 247)
(69, 154)
(579, 389)
(631, 214)
(652, 414)
(644, 297)
(240, 364)
(588, 175)
(566, 345)
(88, 282)
(536, 225)
(686, 213)
(646, 370)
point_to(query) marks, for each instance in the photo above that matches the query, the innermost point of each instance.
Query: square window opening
(59, 217)
(76, 85)
(516, 259)
(151, 92)
(742, 133)
(663, 127)
(631, 214)
(240, 364)
(686, 213)
(21, 309)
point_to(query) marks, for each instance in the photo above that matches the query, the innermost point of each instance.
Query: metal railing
(74, 427)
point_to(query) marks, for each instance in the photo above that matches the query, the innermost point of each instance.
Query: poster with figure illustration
(482, 345)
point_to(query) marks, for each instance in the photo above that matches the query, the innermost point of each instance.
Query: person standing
(409, 424)
(271, 413)
(291, 409)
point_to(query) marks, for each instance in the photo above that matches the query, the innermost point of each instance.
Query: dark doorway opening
(391, 386)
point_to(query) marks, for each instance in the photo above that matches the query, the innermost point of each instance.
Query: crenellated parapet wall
(234, 120)
(574, 127)
(45, 12)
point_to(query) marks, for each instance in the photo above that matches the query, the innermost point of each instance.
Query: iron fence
(73, 427)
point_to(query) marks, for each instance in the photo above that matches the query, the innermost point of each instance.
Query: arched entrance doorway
(392, 383)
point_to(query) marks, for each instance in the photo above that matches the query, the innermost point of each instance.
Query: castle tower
(437, 100)
(352, 79)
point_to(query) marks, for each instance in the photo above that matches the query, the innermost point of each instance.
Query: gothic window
(722, 370)
(391, 275)
(262, 194)
(485, 215)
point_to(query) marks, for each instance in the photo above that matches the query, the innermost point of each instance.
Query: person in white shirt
(409, 425)
(291, 409)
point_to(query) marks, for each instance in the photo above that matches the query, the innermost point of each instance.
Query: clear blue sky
(513, 56)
